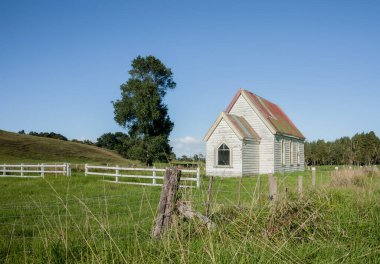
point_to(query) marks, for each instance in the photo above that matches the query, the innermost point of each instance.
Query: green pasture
(79, 219)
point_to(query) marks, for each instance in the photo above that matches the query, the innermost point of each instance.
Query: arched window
(224, 155)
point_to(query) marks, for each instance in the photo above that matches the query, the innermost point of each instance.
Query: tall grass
(82, 219)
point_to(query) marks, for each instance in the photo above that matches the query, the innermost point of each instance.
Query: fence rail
(34, 170)
(107, 171)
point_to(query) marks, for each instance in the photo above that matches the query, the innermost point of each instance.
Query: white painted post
(154, 175)
(64, 168)
(198, 177)
(313, 176)
(55, 169)
(42, 170)
(300, 184)
(117, 173)
(85, 169)
(4, 169)
(69, 168)
(272, 187)
(22, 169)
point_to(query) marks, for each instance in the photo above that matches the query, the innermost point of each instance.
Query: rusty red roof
(238, 124)
(271, 112)
(242, 126)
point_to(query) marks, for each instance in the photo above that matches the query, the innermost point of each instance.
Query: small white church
(253, 136)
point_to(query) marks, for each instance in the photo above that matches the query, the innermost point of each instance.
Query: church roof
(238, 124)
(271, 112)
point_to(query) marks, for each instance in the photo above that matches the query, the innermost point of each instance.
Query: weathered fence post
(272, 187)
(198, 177)
(239, 190)
(313, 176)
(117, 173)
(209, 196)
(4, 169)
(42, 170)
(22, 169)
(55, 169)
(167, 202)
(154, 175)
(300, 185)
(69, 169)
(85, 169)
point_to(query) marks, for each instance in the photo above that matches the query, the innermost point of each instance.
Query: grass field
(16, 148)
(83, 219)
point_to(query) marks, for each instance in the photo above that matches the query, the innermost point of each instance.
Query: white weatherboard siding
(250, 157)
(302, 156)
(224, 134)
(278, 166)
(266, 147)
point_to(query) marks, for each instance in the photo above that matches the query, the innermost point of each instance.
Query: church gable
(238, 124)
(270, 114)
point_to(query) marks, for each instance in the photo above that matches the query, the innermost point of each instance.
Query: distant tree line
(45, 134)
(55, 136)
(194, 158)
(361, 149)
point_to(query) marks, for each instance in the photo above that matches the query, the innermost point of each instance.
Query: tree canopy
(361, 149)
(142, 111)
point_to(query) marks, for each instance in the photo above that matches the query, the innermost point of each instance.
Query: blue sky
(62, 62)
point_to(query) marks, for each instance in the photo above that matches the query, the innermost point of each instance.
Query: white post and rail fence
(141, 176)
(34, 170)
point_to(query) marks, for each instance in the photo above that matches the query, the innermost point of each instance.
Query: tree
(361, 149)
(141, 110)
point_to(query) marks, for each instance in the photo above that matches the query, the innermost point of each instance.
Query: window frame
(217, 156)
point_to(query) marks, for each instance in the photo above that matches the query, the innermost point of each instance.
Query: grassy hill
(24, 148)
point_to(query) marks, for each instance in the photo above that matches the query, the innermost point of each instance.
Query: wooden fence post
(313, 176)
(85, 169)
(117, 173)
(272, 187)
(198, 177)
(69, 169)
(167, 202)
(154, 175)
(64, 169)
(300, 185)
(22, 169)
(209, 196)
(239, 190)
(4, 169)
(42, 170)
